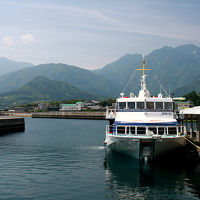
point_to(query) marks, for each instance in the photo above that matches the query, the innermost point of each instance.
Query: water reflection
(127, 178)
(193, 180)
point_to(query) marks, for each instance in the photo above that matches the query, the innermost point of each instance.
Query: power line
(161, 85)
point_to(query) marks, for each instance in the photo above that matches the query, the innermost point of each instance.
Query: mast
(143, 80)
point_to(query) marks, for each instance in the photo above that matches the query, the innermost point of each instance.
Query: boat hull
(141, 147)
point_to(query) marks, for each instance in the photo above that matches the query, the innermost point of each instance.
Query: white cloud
(27, 38)
(8, 40)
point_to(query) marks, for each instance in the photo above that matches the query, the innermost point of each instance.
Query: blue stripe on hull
(146, 124)
(162, 111)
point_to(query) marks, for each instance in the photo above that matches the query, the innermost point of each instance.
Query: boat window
(121, 129)
(127, 130)
(159, 105)
(172, 131)
(141, 130)
(168, 105)
(114, 129)
(161, 130)
(150, 105)
(122, 105)
(140, 105)
(110, 129)
(131, 105)
(180, 130)
(132, 130)
(153, 129)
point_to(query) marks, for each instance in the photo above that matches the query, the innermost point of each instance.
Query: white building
(71, 107)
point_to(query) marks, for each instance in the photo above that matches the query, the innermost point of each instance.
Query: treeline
(194, 97)
(108, 102)
(103, 103)
(53, 103)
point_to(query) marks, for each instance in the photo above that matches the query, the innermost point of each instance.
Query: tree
(107, 102)
(194, 97)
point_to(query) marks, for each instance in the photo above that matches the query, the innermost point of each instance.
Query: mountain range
(171, 67)
(175, 69)
(78, 77)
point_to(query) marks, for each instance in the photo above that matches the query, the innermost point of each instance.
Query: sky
(92, 33)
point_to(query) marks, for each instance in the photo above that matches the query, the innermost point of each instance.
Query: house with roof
(71, 107)
(180, 105)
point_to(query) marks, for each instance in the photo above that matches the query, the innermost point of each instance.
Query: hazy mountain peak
(3, 58)
(7, 66)
(39, 78)
(187, 46)
(190, 49)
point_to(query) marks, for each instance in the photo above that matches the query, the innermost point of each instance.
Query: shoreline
(16, 114)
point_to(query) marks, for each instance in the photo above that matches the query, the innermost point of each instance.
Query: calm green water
(65, 159)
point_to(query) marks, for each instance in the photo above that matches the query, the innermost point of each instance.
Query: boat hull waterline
(141, 147)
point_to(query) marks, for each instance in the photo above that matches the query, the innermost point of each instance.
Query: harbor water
(65, 159)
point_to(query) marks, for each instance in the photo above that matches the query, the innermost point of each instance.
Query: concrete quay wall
(8, 125)
(71, 115)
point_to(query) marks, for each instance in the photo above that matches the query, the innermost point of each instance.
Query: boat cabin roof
(150, 99)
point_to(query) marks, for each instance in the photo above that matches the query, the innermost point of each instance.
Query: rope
(129, 81)
(193, 143)
(161, 85)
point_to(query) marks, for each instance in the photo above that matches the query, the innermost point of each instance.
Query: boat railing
(148, 130)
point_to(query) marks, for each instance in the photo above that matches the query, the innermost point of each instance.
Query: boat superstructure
(143, 126)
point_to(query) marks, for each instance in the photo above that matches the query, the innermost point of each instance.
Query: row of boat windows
(144, 130)
(145, 105)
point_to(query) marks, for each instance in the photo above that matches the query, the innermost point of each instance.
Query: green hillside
(43, 89)
(76, 76)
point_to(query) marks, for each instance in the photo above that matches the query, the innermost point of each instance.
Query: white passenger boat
(143, 126)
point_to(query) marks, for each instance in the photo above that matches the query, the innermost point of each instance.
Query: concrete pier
(71, 115)
(192, 120)
(8, 125)
(192, 115)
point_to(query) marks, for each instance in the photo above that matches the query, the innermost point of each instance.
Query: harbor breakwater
(71, 115)
(8, 125)
(96, 115)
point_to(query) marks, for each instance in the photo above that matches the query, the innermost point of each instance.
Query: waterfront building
(180, 105)
(71, 107)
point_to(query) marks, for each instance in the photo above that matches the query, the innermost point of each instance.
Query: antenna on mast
(143, 81)
(143, 66)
